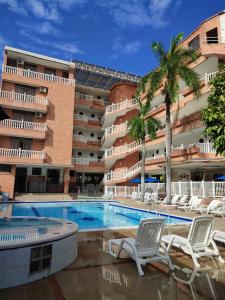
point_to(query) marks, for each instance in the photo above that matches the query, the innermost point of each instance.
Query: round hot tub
(33, 248)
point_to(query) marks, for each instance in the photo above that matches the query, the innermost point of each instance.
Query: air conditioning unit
(43, 89)
(38, 115)
(20, 61)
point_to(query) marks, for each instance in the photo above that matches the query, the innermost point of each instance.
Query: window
(92, 115)
(11, 62)
(80, 133)
(201, 141)
(91, 154)
(99, 97)
(23, 115)
(81, 113)
(195, 43)
(157, 151)
(99, 157)
(212, 36)
(99, 138)
(36, 171)
(79, 153)
(30, 67)
(92, 135)
(72, 173)
(65, 74)
(5, 168)
(53, 176)
(50, 71)
(24, 144)
(23, 89)
(40, 258)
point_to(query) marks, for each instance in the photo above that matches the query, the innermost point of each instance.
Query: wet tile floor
(96, 275)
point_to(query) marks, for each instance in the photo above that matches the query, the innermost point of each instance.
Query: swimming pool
(92, 215)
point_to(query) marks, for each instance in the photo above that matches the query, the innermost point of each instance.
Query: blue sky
(111, 33)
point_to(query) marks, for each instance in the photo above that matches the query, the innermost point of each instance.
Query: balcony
(89, 100)
(19, 156)
(123, 175)
(88, 164)
(201, 153)
(36, 75)
(24, 129)
(114, 153)
(212, 46)
(23, 101)
(118, 109)
(112, 133)
(86, 122)
(82, 142)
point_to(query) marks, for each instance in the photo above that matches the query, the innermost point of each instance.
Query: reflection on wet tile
(96, 275)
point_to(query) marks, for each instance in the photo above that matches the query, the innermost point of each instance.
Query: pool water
(8, 223)
(91, 215)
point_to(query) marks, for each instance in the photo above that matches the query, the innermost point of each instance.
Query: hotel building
(64, 126)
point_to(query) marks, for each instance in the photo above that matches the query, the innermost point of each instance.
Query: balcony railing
(116, 128)
(85, 118)
(126, 148)
(88, 97)
(23, 98)
(213, 40)
(122, 105)
(124, 173)
(85, 161)
(84, 139)
(19, 153)
(208, 76)
(37, 75)
(23, 125)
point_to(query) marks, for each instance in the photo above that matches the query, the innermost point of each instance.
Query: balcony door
(24, 144)
(21, 180)
(23, 89)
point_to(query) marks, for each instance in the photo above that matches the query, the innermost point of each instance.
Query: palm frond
(174, 43)
(191, 78)
(137, 128)
(186, 54)
(151, 126)
(159, 51)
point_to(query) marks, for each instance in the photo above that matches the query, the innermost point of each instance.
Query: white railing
(23, 125)
(85, 161)
(205, 147)
(124, 173)
(125, 104)
(116, 128)
(191, 188)
(88, 97)
(155, 157)
(81, 117)
(126, 148)
(22, 153)
(37, 75)
(208, 76)
(23, 98)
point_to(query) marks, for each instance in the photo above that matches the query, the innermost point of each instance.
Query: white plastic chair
(206, 209)
(147, 247)
(183, 200)
(219, 236)
(192, 204)
(198, 241)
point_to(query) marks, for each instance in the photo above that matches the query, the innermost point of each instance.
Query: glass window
(79, 153)
(36, 171)
(50, 71)
(11, 62)
(65, 74)
(23, 89)
(5, 168)
(30, 67)
(72, 173)
(212, 36)
(91, 154)
(24, 144)
(195, 43)
(92, 135)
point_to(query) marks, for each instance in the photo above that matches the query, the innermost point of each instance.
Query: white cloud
(71, 48)
(44, 27)
(15, 6)
(122, 47)
(139, 12)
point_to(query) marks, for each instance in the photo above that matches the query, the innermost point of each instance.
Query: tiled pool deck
(96, 275)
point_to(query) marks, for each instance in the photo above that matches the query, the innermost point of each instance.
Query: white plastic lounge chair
(183, 200)
(219, 211)
(206, 209)
(147, 247)
(193, 203)
(175, 199)
(198, 242)
(108, 195)
(219, 236)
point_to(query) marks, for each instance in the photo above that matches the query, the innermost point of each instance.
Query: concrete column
(83, 182)
(66, 180)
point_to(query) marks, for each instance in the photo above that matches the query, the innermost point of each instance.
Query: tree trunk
(143, 172)
(168, 137)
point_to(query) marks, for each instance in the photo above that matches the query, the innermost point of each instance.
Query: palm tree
(173, 65)
(139, 128)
